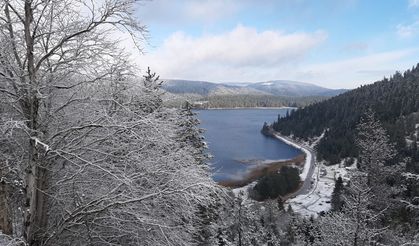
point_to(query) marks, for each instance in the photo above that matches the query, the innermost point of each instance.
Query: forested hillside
(244, 101)
(247, 101)
(395, 102)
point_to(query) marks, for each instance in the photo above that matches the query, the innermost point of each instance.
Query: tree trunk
(35, 209)
(35, 171)
(5, 220)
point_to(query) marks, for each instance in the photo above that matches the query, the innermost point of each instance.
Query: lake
(235, 142)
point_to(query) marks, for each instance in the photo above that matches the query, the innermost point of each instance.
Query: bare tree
(248, 223)
(90, 163)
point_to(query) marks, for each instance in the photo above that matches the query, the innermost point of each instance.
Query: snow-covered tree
(248, 223)
(336, 200)
(354, 225)
(368, 197)
(90, 154)
(375, 158)
(374, 145)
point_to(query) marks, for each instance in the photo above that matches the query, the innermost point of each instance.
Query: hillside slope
(394, 100)
(204, 88)
(277, 93)
(292, 88)
(274, 88)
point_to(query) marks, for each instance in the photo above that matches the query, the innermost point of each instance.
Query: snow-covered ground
(317, 140)
(243, 193)
(306, 168)
(318, 199)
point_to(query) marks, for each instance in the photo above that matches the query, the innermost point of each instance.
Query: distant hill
(276, 93)
(395, 102)
(293, 88)
(273, 88)
(204, 88)
(333, 92)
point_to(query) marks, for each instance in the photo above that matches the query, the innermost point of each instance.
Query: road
(306, 187)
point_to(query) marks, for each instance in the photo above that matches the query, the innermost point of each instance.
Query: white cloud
(231, 56)
(408, 31)
(353, 72)
(413, 3)
(246, 55)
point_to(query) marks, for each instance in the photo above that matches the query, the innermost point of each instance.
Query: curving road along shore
(308, 167)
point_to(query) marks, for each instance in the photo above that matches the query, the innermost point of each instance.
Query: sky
(334, 44)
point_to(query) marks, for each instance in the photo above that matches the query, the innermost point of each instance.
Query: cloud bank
(247, 55)
(233, 54)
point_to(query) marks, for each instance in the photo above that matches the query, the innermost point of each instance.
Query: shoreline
(245, 108)
(256, 172)
(307, 164)
(304, 159)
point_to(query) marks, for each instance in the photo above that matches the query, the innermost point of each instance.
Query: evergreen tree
(374, 144)
(376, 155)
(356, 224)
(336, 200)
(278, 184)
(265, 129)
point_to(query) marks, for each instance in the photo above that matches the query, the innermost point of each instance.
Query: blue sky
(336, 44)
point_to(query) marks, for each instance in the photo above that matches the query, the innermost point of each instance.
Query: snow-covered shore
(322, 181)
(319, 178)
(308, 159)
(245, 108)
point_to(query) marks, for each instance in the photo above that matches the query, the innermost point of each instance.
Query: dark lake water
(233, 136)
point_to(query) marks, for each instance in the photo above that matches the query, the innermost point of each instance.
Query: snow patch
(243, 192)
(37, 141)
(318, 199)
(315, 142)
(267, 83)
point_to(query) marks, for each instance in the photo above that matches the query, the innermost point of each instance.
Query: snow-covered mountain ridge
(274, 87)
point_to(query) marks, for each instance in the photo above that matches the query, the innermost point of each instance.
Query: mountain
(395, 102)
(274, 88)
(293, 88)
(204, 88)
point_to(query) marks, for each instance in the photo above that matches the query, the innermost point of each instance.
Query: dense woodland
(249, 101)
(273, 185)
(244, 101)
(374, 124)
(395, 102)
